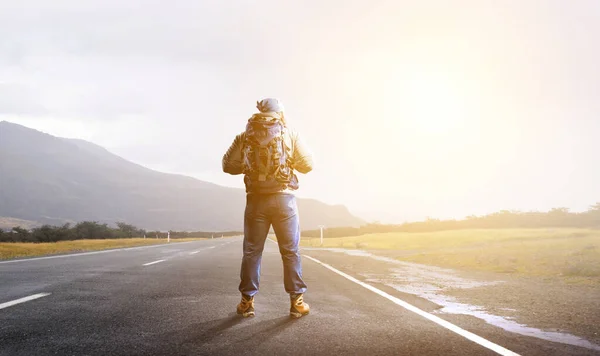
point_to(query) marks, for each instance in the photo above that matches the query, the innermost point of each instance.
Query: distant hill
(9, 223)
(48, 179)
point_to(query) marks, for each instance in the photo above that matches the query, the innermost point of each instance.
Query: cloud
(208, 32)
(100, 60)
(18, 99)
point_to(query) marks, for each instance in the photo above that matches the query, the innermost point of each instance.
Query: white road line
(202, 249)
(23, 300)
(92, 252)
(153, 263)
(464, 333)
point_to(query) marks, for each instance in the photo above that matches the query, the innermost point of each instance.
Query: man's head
(270, 105)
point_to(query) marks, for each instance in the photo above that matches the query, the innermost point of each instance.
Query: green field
(24, 249)
(568, 253)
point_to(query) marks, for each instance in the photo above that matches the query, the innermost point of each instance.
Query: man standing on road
(267, 153)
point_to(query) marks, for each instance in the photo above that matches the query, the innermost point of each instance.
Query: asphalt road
(126, 303)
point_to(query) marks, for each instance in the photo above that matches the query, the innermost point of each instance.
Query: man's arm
(232, 160)
(302, 157)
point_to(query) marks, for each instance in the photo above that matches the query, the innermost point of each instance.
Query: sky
(439, 109)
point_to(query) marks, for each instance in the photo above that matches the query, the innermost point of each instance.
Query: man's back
(301, 158)
(267, 153)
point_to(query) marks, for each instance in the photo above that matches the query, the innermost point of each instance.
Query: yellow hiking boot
(298, 308)
(246, 306)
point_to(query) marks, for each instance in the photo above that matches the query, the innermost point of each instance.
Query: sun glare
(425, 103)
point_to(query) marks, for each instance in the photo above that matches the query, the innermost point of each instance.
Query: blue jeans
(280, 211)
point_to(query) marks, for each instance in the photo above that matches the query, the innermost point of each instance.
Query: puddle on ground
(430, 282)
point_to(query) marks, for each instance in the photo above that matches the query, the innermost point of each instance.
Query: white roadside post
(321, 227)
(169, 236)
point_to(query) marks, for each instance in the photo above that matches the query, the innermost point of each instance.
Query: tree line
(557, 217)
(94, 230)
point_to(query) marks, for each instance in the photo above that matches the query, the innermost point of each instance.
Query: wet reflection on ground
(431, 282)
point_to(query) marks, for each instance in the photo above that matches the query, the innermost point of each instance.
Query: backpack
(266, 157)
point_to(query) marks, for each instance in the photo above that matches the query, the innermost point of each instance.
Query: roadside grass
(10, 250)
(571, 254)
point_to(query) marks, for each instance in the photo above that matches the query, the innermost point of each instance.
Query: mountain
(53, 180)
